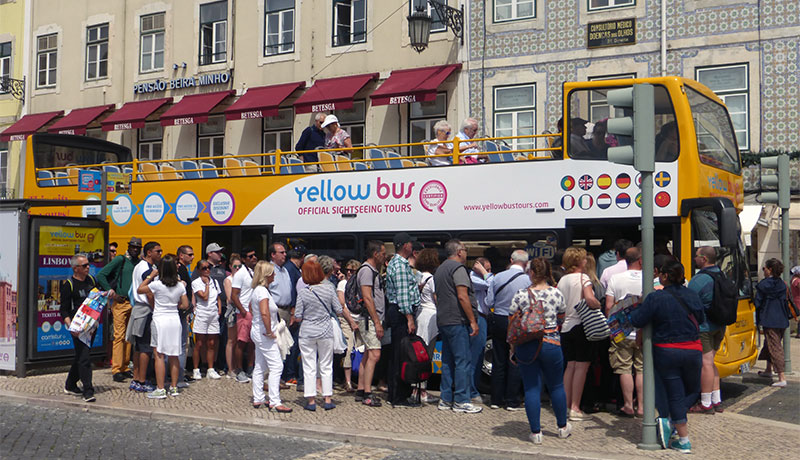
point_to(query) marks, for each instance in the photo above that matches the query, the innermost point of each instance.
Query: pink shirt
(619, 267)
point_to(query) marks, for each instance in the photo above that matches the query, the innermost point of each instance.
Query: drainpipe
(663, 38)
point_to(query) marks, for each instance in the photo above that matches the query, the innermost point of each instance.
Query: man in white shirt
(620, 246)
(241, 290)
(469, 129)
(626, 356)
(141, 315)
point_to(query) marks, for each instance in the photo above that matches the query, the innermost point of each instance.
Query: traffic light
(638, 131)
(780, 180)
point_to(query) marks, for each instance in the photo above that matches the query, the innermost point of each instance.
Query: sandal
(371, 401)
(348, 387)
(258, 406)
(281, 409)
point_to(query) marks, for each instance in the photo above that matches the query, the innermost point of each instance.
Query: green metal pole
(649, 439)
(787, 336)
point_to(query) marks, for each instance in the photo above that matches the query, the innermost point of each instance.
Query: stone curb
(372, 438)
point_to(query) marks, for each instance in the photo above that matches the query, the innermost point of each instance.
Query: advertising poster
(57, 245)
(9, 251)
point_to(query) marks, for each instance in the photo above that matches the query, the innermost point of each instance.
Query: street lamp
(419, 23)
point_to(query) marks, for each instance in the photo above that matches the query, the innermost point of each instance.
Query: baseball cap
(135, 242)
(329, 120)
(403, 238)
(213, 247)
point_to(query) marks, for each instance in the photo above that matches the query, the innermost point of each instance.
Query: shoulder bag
(594, 322)
(339, 340)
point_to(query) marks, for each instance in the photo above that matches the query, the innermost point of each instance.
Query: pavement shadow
(623, 428)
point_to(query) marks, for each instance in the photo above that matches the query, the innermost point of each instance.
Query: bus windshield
(716, 143)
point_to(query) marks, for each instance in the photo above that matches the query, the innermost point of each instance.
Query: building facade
(178, 67)
(747, 52)
(12, 66)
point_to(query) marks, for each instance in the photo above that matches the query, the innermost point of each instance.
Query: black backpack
(726, 299)
(352, 292)
(415, 362)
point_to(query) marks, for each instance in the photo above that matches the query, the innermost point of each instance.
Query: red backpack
(415, 364)
(527, 324)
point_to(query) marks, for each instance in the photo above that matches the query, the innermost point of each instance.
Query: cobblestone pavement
(225, 403)
(30, 431)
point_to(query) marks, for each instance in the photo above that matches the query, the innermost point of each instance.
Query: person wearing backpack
(711, 334)
(73, 292)
(542, 360)
(771, 303)
(116, 277)
(506, 382)
(364, 298)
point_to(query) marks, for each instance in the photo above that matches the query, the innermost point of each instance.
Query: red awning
(412, 85)
(28, 125)
(193, 109)
(332, 93)
(261, 102)
(132, 115)
(78, 119)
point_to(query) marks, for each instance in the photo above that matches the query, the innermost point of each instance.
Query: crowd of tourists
(300, 319)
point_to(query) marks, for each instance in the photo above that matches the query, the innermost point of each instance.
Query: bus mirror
(728, 228)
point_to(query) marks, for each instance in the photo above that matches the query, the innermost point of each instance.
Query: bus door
(234, 238)
(714, 223)
(341, 246)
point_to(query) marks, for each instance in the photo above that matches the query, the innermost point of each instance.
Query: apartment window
(5, 61)
(514, 114)
(349, 22)
(213, 32)
(211, 138)
(512, 10)
(437, 23)
(279, 27)
(278, 131)
(598, 99)
(3, 169)
(47, 58)
(97, 52)
(595, 5)
(421, 118)
(150, 139)
(352, 121)
(730, 83)
(152, 43)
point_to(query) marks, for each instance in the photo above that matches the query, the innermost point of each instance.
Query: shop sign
(178, 83)
(611, 33)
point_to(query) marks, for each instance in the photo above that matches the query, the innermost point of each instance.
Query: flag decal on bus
(585, 182)
(567, 183)
(623, 181)
(663, 199)
(603, 200)
(585, 201)
(604, 181)
(567, 202)
(623, 199)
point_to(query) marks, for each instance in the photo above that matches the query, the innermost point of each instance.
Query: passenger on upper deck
(442, 130)
(577, 146)
(336, 137)
(667, 142)
(598, 146)
(312, 138)
(469, 128)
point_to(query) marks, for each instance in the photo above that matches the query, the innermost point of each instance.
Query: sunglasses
(237, 266)
(190, 255)
(85, 265)
(251, 256)
(205, 268)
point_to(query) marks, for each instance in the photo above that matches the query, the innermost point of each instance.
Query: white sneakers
(780, 383)
(196, 374)
(563, 433)
(212, 374)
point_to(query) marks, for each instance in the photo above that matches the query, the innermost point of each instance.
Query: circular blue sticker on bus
(186, 207)
(123, 211)
(154, 208)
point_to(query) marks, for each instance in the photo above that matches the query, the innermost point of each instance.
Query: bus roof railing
(271, 163)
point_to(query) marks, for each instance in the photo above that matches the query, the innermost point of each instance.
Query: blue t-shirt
(703, 285)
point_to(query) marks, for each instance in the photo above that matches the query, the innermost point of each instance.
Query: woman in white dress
(206, 319)
(427, 262)
(263, 332)
(165, 294)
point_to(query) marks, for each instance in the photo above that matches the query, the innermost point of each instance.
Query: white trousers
(311, 350)
(268, 357)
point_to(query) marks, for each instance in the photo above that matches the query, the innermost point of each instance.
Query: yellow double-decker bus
(561, 191)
